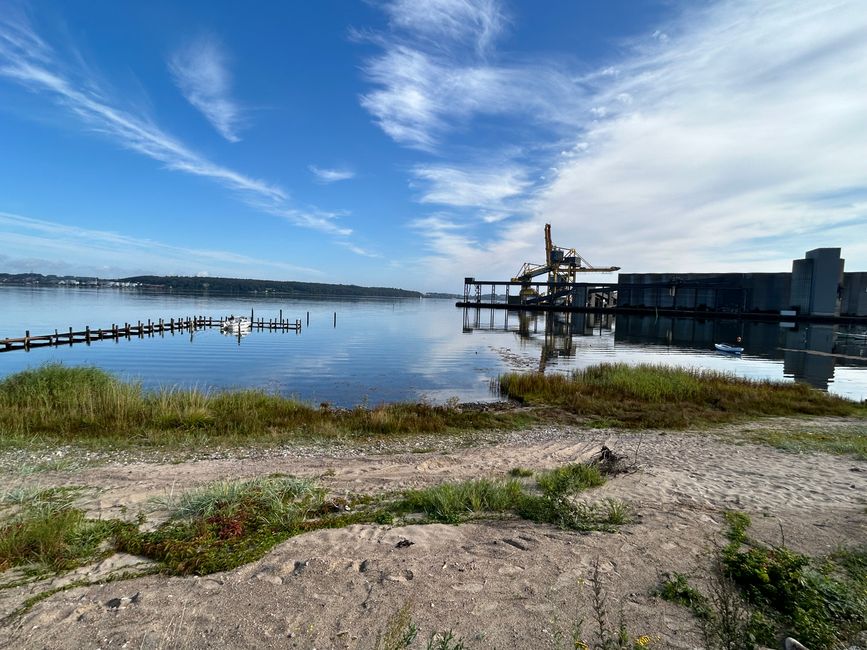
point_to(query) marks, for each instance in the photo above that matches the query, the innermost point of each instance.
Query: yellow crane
(561, 265)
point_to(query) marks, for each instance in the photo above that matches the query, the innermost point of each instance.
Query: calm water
(406, 350)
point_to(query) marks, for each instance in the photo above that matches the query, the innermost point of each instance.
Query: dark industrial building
(816, 286)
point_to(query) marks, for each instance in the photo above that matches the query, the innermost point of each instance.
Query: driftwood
(610, 463)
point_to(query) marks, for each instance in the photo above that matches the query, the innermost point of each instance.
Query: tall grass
(657, 396)
(63, 404)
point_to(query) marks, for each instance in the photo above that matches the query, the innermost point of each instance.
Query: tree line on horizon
(236, 286)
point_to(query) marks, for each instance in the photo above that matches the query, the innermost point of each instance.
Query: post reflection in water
(808, 353)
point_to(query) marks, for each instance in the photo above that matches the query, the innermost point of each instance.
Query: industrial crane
(561, 265)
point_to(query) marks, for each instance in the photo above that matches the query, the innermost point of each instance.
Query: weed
(848, 440)
(569, 479)
(520, 472)
(607, 636)
(445, 641)
(758, 592)
(675, 588)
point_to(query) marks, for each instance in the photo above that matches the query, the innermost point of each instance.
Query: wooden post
(308, 319)
(70, 335)
(335, 319)
(281, 316)
(87, 334)
(252, 320)
(27, 340)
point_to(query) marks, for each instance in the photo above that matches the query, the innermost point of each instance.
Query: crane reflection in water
(807, 352)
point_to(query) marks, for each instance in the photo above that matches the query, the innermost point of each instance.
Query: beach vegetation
(42, 533)
(56, 404)
(228, 523)
(758, 593)
(651, 396)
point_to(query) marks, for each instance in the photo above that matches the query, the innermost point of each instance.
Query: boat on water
(234, 325)
(728, 349)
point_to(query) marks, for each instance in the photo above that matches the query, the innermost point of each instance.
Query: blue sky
(410, 143)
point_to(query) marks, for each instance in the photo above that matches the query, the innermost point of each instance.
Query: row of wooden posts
(142, 329)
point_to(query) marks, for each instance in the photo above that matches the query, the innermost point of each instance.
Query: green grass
(569, 479)
(58, 404)
(841, 441)
(456, 502)
(45, 534)
(661, 397)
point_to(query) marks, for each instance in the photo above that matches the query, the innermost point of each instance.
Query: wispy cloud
(200, 72)
(711, 143)
(435, 74)
(39, 244)
(28, 60)
(325, 175)
(358, 250)
(476, 23)
(478, 187)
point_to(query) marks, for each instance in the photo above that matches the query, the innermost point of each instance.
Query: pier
(140, 329)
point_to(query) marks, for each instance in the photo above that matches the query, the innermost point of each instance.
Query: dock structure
(140, 329)
(537, 296)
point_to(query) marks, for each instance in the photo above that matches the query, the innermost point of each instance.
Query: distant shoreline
(188, 285)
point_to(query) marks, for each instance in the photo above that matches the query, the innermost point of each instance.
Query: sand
(496, 584)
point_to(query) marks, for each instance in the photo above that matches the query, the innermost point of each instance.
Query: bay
(406, 349)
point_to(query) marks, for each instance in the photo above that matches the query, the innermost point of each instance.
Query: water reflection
(809, 353)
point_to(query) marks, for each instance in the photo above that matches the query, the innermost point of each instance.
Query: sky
(409, 144)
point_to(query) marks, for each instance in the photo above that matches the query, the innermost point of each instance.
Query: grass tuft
(456, 502)
(47, 535)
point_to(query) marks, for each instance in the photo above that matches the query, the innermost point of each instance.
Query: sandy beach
(500, 583)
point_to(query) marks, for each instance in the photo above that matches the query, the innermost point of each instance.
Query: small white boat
(729, 349)
(234, 325)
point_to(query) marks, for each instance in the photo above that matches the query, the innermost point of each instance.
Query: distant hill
(231, 286)
(239, 286)
(46, 280)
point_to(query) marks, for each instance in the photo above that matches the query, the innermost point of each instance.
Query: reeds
(62, 404)
(656, 396)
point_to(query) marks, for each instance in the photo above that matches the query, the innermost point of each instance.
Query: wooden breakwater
(140, 329)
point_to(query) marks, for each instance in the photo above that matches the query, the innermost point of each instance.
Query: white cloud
(473, 22)
(476, 187)
(200, 72)
(325, 175)
(732, 127)
(736, 129)
(427, 82)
